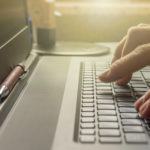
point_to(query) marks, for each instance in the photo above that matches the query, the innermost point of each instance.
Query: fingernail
(108, 76)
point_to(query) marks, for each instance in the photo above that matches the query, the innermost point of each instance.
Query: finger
(136, 36)
(132, 41)
(145, 109)
(142, 100)
(124, 80)
(139, 102)
(119, 49)
(126, 65)
(147, 95)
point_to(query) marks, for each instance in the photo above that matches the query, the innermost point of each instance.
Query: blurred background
(96, 20)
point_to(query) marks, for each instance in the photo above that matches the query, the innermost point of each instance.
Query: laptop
(96, 115)
(93, 115)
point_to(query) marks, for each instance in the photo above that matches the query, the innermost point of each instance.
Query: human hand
(143, 105)
(132, 53)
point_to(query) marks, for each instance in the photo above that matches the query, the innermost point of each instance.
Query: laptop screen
(12, 18)
(15, 36)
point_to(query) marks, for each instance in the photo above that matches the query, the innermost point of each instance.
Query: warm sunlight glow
(100, 20)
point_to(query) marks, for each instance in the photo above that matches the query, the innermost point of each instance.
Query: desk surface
(32, 121)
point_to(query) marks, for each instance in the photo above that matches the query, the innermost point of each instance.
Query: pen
(10, 81)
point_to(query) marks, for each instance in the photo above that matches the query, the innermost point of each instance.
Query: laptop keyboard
(107, 113)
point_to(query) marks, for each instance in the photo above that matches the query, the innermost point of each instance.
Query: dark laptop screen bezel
(18, 45)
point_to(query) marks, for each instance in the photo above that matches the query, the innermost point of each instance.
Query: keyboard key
(87, 109)
(87, 125)
(146, 75)
(88, 82)
(139, 85)
(110, 140)
(123, 94)
(104, 92)
(100, 69)
(131, 122)
(133, 129)
(125, 99)
(107, 112)
(103, 88)
(87, 96)
(121, 87)
(87, 105)
(129, 115)
(127, 110)
(122, 90)
(135, 138)
(139, 94)
(88, 86)
(87, 132)
(109, 132)
(88, 89)
(136, 79)
(87, 100)
(104, 101)
(106, 107)
(87, 139)
(87, 120)
(137, 82)
(140, 89)
(102, 84)
(147, 68)
(87, 114)
(107, 119)
(88, 71)
(88, 74)
(88, 93)
(104, 97)
(87, 79)
(125, 104)
(108, 125)
(85, 76)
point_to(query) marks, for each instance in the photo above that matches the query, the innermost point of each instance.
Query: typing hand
(132, 54)
(143, 105)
